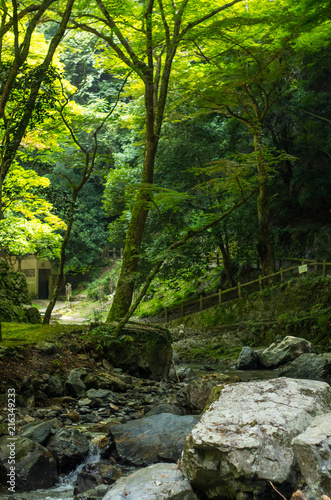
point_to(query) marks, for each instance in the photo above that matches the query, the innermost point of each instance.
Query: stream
(64, 490)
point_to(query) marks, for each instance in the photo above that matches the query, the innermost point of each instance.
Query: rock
(46, 347)
(152, 439)
(102, 444)
(54, 386)
(183, 373)
(35, 465)
(74, 385)
(198, 391)
(248, 359)
(164, 408)
(145, 350)
(32, 314)
(73, 416)
(156, 482)
(100, 394)
(97, 493)
(91, 381)
(312, 449)
(69, 447)
(94, 474)
(243, 440)
(40, 432)
(112, 382)
(309, 365)
(287, 350)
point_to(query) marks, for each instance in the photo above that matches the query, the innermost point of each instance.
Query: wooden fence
(202, 302)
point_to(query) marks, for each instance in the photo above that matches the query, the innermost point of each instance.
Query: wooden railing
(204, 302)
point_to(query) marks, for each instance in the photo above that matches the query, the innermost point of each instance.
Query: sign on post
(303, 268)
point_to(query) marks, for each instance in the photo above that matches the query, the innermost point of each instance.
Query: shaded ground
(56, 349)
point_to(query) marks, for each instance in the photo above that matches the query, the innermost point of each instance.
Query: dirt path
(78, 311)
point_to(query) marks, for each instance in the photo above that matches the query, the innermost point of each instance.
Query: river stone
(97, 493)
(74, 385)
(156, 482)
(100, 394)
(35, 465)
(54, 386)
(243, 440)
(69, 447)
(308, 365)
(92, 475)
(248, 359)
(40, 432)
(152, 439)
(197, 392)
(164, 408)
(312, 449)
(284, 352)
(112, 382)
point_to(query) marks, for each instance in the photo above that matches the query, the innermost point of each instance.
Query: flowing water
(64, 490)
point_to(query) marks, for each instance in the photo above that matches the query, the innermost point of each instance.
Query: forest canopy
(138, 124)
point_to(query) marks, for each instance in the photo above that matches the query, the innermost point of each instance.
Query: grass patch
(16, 334)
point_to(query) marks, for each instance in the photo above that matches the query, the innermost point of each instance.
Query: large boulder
(312, 449)
(144, 350)
(308, 365)
(69, 447)
(243, 441)
(152, 439)
(156, 482)
(248, 359)
(35, 466)
(287, 350)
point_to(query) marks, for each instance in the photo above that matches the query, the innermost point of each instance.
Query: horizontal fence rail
(204, 302)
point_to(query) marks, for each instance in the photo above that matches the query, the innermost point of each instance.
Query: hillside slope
(300, 307)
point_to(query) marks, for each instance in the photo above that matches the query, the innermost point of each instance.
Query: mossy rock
(144, 350)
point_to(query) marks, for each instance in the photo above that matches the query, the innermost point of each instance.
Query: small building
(40, 275)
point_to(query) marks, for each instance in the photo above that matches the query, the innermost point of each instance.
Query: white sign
(303, 268)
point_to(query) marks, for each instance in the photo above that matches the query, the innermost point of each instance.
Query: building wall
(40, 275)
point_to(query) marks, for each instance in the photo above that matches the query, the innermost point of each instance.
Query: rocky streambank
(180, 437)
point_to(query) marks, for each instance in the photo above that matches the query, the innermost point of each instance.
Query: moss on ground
(17, 334)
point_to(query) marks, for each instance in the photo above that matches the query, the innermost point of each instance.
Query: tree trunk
(59, 276)
(226, 262)
(125, 287)
(264, 246)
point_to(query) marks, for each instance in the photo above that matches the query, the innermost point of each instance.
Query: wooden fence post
(260, 282)
(201, 301)
(239, 290)
(324, 268)
(166, 314)
(281, 275)
(316, 266)
(220, 296)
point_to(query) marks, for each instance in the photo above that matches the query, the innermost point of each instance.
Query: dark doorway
(43, 284)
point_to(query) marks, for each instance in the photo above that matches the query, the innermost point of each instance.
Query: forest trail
(62, 312)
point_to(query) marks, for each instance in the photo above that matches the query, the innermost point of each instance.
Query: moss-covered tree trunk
(264, 246)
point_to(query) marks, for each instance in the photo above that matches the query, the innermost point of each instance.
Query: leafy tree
(23, 100)
(149, 52)
(29, 225)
